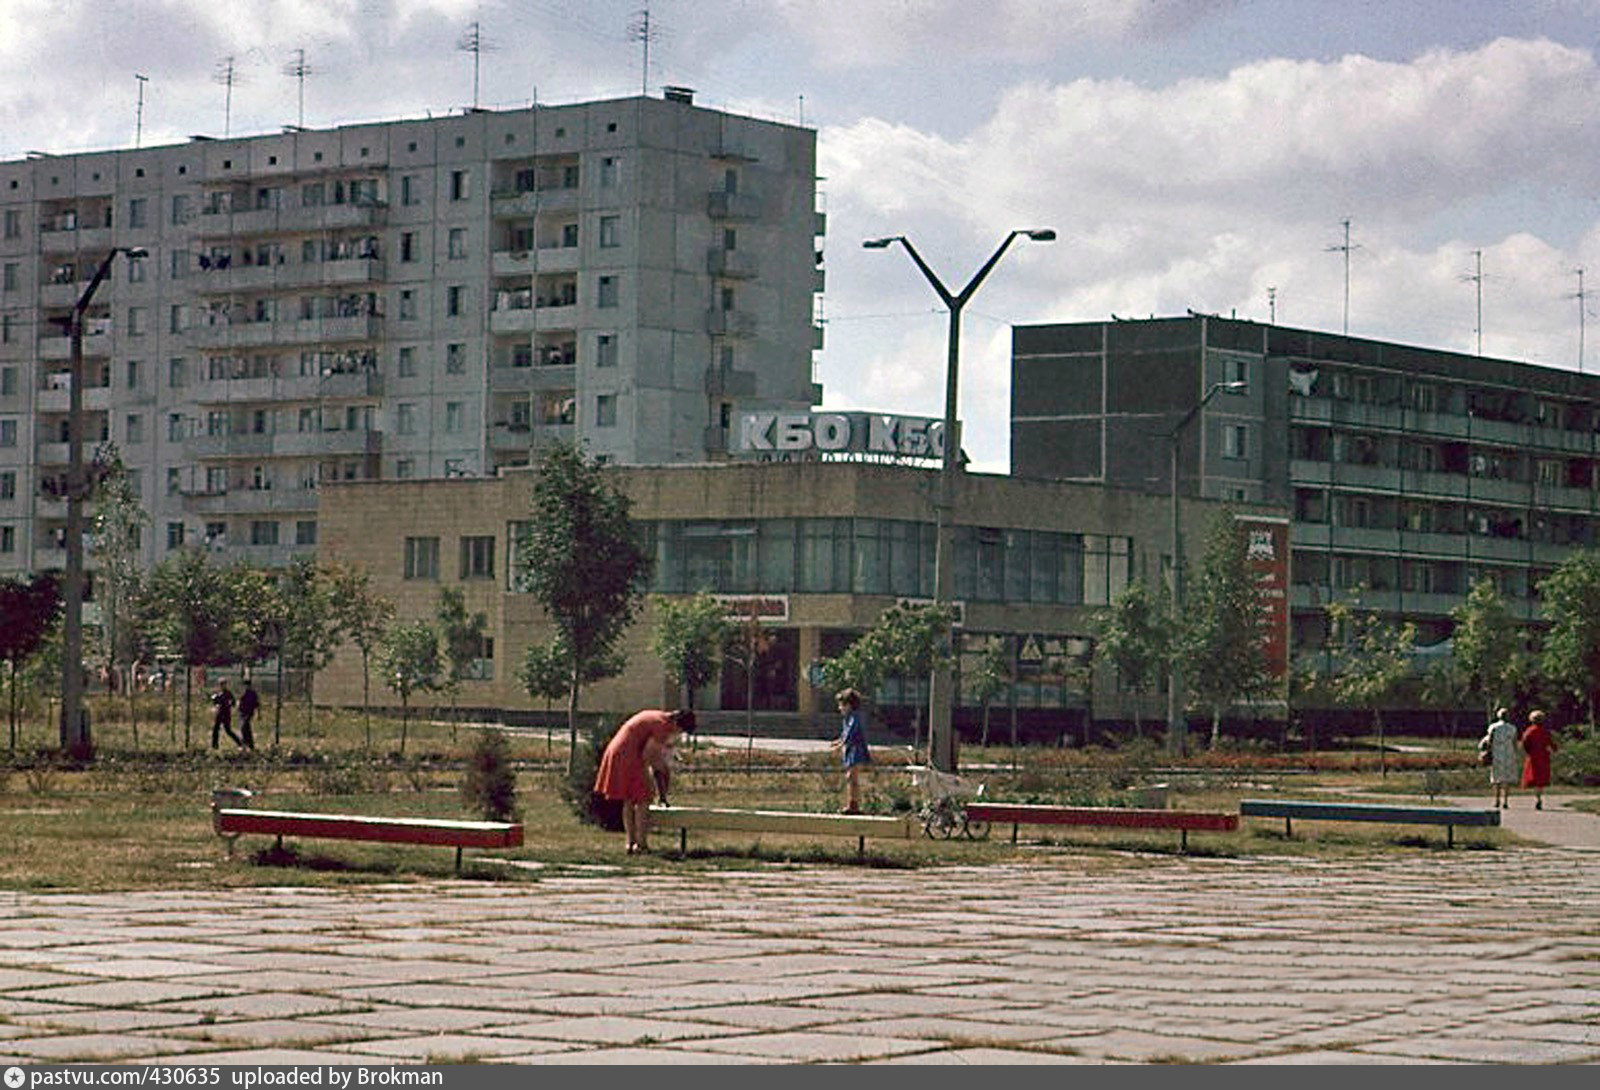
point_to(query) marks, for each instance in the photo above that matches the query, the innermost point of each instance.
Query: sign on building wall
(1267, 551)
(765, 608)
(774, 436)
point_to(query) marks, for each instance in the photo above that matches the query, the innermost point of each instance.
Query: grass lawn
(138, 816)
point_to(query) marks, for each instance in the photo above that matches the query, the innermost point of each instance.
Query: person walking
(636, 767)
(1538, 744)
(852, 747)
(1500, 744)
(222, 717)
(249, 701)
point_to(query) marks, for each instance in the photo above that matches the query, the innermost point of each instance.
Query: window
(460, 185)
(452, 416)
(8, 539)
(136, 321)
(305, 532)
(606, 295)
(458, 242)
(8, 485)
(8, 381)
(610, 230)
(408, 246)
(174, 481)
(138, 212)
(7, 326)
(1235, 441)
(408, 304)
(216, 534)
(176, 372)
(405, 418)
(477, 557)
(410, 187)
(8, 433)
(178, 318)
(175, 427)
(13, 224)
(422, 558)
(180, 208)
(263, 532)
(608, 172)
(455, 359)
(404, 469)
(178, 264)
(8, 276)
(569, 236)
(133, 374)
(175, 535)
(313, 194)
(453, 297)
(605, 411)
(135, 428)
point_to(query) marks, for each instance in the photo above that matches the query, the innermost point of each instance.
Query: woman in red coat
(634, 768)
(1538, 744)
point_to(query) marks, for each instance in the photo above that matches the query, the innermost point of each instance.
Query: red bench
(1016, 814)
(388, 830)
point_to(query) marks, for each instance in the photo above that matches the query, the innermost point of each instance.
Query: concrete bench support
(388, 830)
(1016, 814)
(795, 823)
(1314, 810)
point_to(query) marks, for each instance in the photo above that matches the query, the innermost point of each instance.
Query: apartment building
(425, 298)
(1408, 474)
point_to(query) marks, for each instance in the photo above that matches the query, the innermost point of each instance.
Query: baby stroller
(944, 811)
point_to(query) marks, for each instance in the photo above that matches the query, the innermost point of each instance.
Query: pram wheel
(939, 824)
(976, 830)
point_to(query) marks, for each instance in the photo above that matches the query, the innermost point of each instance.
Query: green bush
(577, 783)
(489, 787)
(1577, 762)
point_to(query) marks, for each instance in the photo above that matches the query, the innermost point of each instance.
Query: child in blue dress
(852, 747)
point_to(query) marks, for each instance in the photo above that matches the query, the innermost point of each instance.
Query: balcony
(250, 501)
(728, 382)
(243, 278)
(270, 556)
(317, 217)
(328, 443)
(361, 327)
(732, 264)
(515, 438)
(57, 349)
(546, 259)
(54, 399)
(61, 295)
(730, 323)
(68, 240)
(59, 454)
(733, 206)
(513, 205)
(230, 445)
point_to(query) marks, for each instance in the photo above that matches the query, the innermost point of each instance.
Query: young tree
(1224, 635)
(1374, 658)
(117, 523)
(463, 634)
(746, 644)
(311, 634)
(193, 606)
(362, 616)
(906, 643)
(28, 611)
(1569, 599)
(1133, 635)
(409, 659)
(1486, 646)
(688, 639)
(990, 679)
(582, 560)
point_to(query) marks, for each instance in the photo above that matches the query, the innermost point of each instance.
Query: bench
(798, 823)
(233, 823)
(1116, 817)
(1306, 810)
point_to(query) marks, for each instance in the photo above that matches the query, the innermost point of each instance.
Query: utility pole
(138, 125)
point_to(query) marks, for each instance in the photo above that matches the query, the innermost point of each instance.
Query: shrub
(489, 787)
(1577, 762)
(577, 783)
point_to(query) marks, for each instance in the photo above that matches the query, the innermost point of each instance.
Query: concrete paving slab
(398, 1021)
(264, 1004)
(447, 1048)
(813, 1047)
(615, 1030)
(101, 1020)
(988, 1057)
(633, 1057)
(94, 1047)
(120, 993)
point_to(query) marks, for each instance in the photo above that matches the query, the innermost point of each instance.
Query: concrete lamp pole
(941, 697)
(74, 726)
(1177, 723)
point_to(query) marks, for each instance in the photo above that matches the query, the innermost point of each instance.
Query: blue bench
(1306, 810)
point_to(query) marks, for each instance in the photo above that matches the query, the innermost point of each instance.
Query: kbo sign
(799, 435)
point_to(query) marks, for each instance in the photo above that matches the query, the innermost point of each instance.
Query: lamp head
(879, 243)
(1238, 386)
(1041, 234)
(136, 251)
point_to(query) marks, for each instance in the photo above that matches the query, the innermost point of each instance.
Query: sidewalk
(1430, 956)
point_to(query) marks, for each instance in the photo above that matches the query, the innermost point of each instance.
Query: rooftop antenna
(1345, 249)
(1272, 306)
(299, 69)
(641, 30)
(475, 43)
(1477, 279)
(1580, 297)
(226, 74)
(138, 125)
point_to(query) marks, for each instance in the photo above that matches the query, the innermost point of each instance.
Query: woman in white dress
(1505, 763)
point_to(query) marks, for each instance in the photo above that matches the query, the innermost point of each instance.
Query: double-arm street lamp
(941, 748)
(1177, 723)
(74, 727)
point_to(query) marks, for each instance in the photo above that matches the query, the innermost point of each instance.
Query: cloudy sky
(1190, 153)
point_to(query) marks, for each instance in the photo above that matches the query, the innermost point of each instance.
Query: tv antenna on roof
(1477, 278)
(641, 30)
(227, 74)
(299, 69)
(1345, 249)
(1580, 296)
(475, 43)
(138, 125)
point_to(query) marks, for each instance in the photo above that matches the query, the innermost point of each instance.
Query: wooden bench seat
(388, 830)
(1316, 810)
(1016, 814)
(797, 823)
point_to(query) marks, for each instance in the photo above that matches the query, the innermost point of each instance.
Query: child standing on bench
(852, 747)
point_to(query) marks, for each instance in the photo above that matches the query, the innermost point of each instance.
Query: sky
(1190, 154)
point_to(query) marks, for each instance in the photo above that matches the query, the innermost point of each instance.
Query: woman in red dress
(1538, 744)
(634, 768)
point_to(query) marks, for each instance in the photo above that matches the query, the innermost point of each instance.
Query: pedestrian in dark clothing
(249, 701)
(222, 718)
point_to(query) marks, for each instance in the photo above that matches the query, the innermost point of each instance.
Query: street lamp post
(74, 728)
(1177, 724)
(941, 748)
